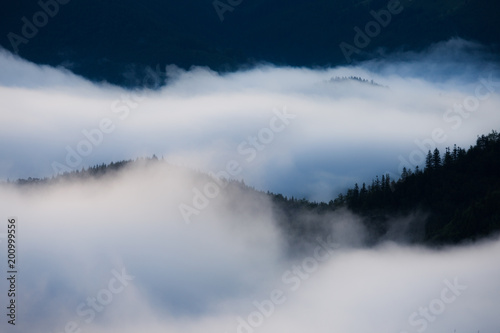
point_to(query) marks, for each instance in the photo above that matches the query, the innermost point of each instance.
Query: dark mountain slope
(460, 192)
(455, 198)
(116, 40)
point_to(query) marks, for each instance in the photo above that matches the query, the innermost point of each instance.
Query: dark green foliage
(97, 170)
(461, 194)
(356, 79)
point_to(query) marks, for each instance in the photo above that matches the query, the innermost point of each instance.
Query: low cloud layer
(330, 135)
(140, 251)
(114, 254)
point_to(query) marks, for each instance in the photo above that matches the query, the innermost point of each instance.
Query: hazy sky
(333, 133)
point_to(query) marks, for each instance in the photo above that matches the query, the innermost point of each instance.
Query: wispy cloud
(114, 254)
(345, 131)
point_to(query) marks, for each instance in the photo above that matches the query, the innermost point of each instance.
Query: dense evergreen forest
(455, 196)
(459, 190)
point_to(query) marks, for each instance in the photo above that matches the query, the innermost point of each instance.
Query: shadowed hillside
(117, 41)
(453, 199)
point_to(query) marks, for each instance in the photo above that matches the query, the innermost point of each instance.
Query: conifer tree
(428, 161)
(436, 159)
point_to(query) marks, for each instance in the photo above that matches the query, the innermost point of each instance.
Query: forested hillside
(455, 197)
(459, 190)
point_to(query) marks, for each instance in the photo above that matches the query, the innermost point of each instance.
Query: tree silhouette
(436, 159)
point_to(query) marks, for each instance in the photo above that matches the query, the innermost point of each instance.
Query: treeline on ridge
(456, 194)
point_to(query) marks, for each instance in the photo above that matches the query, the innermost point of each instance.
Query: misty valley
(254, 166)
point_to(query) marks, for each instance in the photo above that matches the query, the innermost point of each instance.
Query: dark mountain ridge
(117, 41)
(455, 198)
(459, 190)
